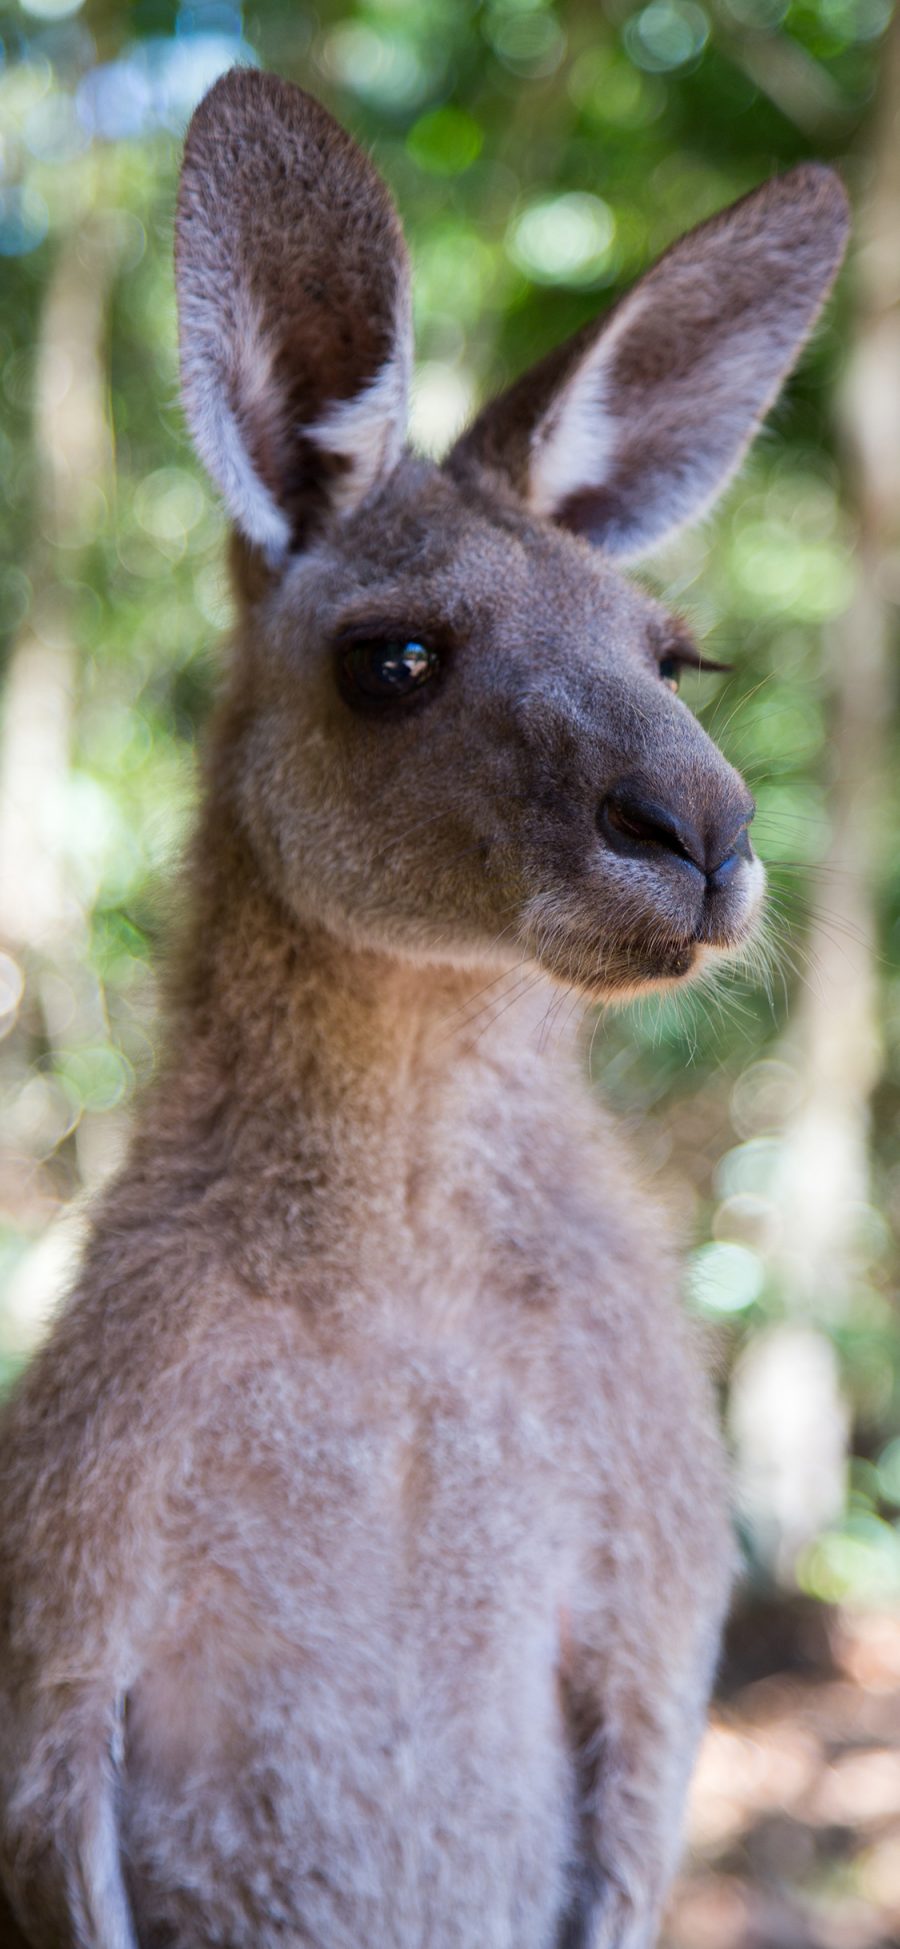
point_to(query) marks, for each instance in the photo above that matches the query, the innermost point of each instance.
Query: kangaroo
(364, 1546)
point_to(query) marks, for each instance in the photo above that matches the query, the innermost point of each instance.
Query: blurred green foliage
(541, 156)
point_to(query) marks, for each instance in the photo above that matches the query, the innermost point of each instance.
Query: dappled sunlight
(794, 1820)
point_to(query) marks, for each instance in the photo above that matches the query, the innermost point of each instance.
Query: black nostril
(636, 825)
(721, 874)
(738, 848)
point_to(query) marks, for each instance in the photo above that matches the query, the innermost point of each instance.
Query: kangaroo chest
(372, 1635)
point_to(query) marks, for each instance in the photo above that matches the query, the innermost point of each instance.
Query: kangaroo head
(453, 730)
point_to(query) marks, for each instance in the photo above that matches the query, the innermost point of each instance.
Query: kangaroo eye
(670, 671)
(375, 674)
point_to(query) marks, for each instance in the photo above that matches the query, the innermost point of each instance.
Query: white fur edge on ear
(213, 423)
(573, 446)
(370, 429)
(577, 445)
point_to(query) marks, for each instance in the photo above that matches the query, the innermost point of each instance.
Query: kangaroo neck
(329, 1081)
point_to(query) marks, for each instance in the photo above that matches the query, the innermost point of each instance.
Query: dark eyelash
(673, 642)
(689, 658)
(384, 628)
(375, 629)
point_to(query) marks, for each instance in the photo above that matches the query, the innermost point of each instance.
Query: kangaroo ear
(636, 425)
(294, 311)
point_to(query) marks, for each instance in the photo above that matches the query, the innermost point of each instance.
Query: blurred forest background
(541, 155)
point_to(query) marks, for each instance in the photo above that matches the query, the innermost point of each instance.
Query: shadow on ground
(794, 1831)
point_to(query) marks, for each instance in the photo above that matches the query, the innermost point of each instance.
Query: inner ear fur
(636, 424)
(294, 309)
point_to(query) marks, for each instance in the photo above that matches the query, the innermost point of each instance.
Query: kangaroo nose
(640, 827)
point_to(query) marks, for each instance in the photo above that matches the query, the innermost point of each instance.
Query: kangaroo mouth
(655, 949)
(602, 971)
(635, 969)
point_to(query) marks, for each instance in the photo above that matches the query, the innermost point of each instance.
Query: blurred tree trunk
(73, 442)
(42, 919)
(789, 1419)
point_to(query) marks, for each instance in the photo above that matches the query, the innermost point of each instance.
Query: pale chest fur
(409, 1517)
(366, 1531)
